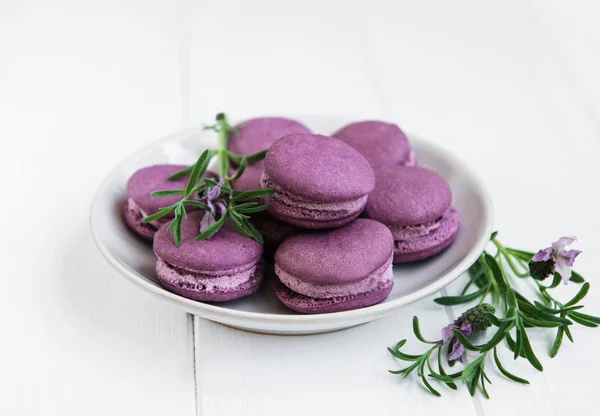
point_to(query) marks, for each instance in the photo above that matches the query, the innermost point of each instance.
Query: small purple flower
(216, 205)
(213, 194)
(471, 322)
(554, 259)
(457, 349)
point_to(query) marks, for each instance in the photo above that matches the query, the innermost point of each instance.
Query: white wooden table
(512, 87)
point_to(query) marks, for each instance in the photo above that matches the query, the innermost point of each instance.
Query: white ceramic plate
(262, 312)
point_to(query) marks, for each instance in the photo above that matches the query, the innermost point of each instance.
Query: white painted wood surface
(510, 86)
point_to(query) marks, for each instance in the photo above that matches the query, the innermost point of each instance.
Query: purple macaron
(273, 231)
(320, 182)
(140, 202)
(381, 143)
(223, 267)
(415, 204)
(331, 271)
(258, 134)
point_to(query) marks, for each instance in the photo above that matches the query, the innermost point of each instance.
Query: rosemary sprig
(216, 197)
(492, 278)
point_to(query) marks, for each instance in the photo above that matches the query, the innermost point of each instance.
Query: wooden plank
(343, 372)
(82, 86)
(483, 80)
(269, 57)
(292, 60)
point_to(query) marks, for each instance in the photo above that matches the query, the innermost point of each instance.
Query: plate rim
(209, 310)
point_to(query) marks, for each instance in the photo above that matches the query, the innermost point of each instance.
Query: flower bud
(540, 270)
(476, 318)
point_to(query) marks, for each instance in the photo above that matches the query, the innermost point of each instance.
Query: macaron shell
(433, 243)
(227, 250)
(343, 255)
(250, 179)
(134, 218)
(319, 168)
(408, 196)
(258, 134)
(154, 178)
(312, 224)
(305, 304)
(186, 290)
(273, 230)
(381, 143)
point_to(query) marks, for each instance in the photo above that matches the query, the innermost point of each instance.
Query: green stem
(503, 252)
(544, 291)
(487, 291)
(223, 156)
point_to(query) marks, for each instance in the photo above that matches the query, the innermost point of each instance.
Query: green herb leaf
(259, 193)
(590, 318)
(431, 389)
(240, 169)
(238, 215)
(181, 173)
(582, 321)
(211, 182)
(245, 205)
(452, 385)
(457, 300)
(505, 372)
(256, 157)
(568, 334)
(399, 354)
(518, 350)
(255, 234)
(466, 343)
(498, 336)
(471, 371)
(513, 346)
(545, 308)
(251, 210)
(238, 225)
(176, 227)
(555, 281)
(493, 319)
(530, 311)
(197, 171)
(163, 194)
(576, 277)
(417, 331)
(213, 228)
(528, 351)
(557, 342)
(580, 295)
(196, 204)
(511, 299)
(496, 271)
(540, 323)
(161, 213)
(523, 255)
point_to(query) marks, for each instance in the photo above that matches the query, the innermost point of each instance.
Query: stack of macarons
(345, 208)
(252, 136)
(224, 267)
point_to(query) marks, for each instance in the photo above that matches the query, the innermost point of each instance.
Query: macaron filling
(409, 232)
(139, 212)
(294, 206)
(377, 278)
(412, 159)
(424, 246)
(223, 280)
